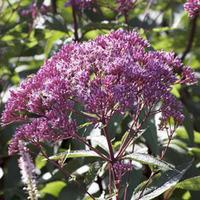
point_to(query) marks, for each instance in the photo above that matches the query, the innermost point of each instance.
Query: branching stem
(64, 172)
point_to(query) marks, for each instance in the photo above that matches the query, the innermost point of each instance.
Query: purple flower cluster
(192, 7)
(125, 5)
(55, 128)
(42, 102)
(79, 4)
(111, 74)
(33, 10)
(120, 168)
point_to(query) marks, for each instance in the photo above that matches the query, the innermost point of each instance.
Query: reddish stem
(112, 159)
(92, 148)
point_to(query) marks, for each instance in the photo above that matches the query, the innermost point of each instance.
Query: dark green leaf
(190, 184)
(74, 154)
(149, 160)
(53, 188)
(161, 183)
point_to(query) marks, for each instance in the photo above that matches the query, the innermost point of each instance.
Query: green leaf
(40, 162)
(163, 29)
(107, 3)
(175, 90)
(149, 160)
(101, 26)
(74, 154)
(85, 125)
(90, 115)
(53, 188)
(99, 141)
(162, 183)
(195, 151)
(56, 23)
(190, 184)
(73, 191)
(54, 36)
(124, 137)
(189, 126)
(150, 136)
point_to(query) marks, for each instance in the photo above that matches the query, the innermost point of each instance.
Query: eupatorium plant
(192, 7)
(116, 74)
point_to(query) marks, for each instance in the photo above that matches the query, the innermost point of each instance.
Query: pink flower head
(121, 168)
(192, 7)
(112, 74)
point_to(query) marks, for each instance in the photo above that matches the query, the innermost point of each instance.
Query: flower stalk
(27, 170)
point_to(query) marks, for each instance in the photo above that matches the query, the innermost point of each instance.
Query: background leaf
(163, 183)
(149, 160)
